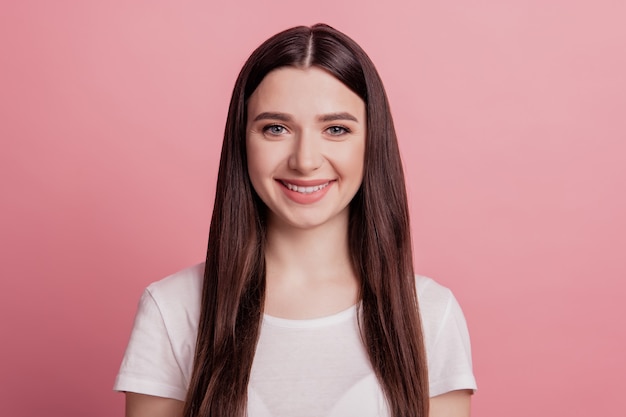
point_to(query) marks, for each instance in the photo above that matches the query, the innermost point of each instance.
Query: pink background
(512, 122)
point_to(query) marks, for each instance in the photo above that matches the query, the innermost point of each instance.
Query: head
(328, 49)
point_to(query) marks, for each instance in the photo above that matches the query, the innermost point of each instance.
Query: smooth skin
(305, 128)
(141, 405)
(304, 125)
(451, 404)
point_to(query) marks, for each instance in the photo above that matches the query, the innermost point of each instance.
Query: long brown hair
(379, 239)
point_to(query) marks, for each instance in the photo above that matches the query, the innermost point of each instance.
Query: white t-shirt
(316, 367)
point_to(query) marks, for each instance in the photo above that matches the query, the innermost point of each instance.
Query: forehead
(306, 91)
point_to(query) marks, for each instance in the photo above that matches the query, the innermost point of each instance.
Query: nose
(306, 156)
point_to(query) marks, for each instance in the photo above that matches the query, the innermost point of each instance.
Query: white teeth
(305, 190)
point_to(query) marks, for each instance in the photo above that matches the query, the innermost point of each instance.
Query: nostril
(305, 162)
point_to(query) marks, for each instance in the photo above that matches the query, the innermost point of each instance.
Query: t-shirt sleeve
(149, 365)
(450, 356)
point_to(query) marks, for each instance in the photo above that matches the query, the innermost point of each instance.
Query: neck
(308, 271)
(308, 254)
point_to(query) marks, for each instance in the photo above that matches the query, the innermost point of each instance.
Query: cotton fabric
(316, 367)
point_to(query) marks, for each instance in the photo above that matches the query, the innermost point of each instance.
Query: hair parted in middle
(379, 242)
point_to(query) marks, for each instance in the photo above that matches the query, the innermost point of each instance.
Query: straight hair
(378, 232)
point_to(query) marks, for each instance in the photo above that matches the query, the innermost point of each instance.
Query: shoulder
(428, 288)
(435, 302)
(443, 321)
(178, 298)
(182, 287)
(446, 338)
(159, 356)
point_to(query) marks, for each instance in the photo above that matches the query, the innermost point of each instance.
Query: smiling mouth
(305, 190)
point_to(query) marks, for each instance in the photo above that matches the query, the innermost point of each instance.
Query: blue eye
(338, 130)
(274, 129)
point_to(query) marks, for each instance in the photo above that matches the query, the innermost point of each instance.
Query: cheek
(261, 164)
(352, 161)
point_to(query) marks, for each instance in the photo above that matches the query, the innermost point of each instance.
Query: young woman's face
(305, 144)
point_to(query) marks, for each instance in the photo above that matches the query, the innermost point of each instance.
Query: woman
(307, 304)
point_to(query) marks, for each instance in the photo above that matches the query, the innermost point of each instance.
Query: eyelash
(344, 129)
(268, 127)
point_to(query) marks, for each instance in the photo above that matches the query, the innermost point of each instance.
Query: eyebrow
(273, 116)
(337, 116)
(323, 118)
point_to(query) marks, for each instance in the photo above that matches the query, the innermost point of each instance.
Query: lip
(308, 198)
(304, 183)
